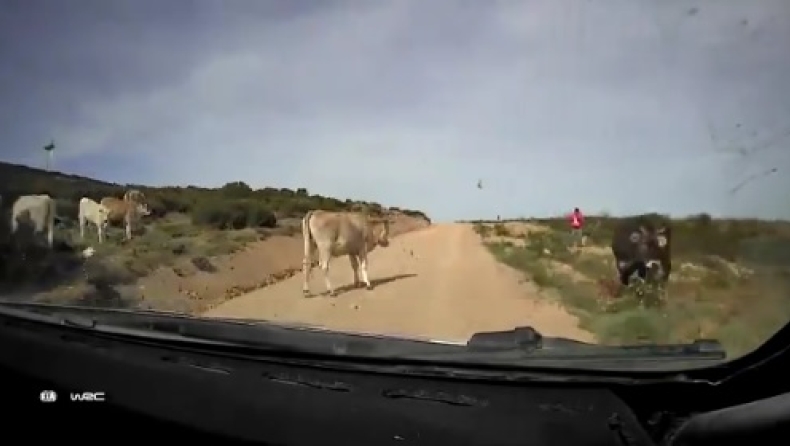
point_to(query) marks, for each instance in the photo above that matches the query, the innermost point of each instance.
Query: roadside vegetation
(730, 279)
(185, 223)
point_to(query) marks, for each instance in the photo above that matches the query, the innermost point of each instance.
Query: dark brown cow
(641, 247)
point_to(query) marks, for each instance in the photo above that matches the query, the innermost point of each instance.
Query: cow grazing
(335, 234)
(96, 213)
(37, 212)
(642, 247)
(128, 210)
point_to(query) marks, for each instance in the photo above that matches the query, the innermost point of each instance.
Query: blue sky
(622, 106)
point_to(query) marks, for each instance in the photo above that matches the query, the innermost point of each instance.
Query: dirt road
(439, 283)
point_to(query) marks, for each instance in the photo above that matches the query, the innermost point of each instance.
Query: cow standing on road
(96, 213)
(36, 212)
(641, 247)
(335, 234)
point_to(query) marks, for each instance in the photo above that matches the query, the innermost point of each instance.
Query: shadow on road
(373, 282)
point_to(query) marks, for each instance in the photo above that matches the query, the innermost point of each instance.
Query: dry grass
(117, 261)
(730, 281)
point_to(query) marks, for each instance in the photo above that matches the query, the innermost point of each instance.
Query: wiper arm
(526, 345)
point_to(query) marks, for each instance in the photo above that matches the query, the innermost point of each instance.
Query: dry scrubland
(202, 247)
(730, 279)
(199, 247)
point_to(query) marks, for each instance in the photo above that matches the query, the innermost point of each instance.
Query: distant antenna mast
(50, 149)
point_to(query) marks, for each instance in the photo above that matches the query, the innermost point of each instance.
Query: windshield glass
(615, 174)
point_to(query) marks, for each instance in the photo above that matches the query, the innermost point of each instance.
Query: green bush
(415, 214)
(233, 214)
(236, 189)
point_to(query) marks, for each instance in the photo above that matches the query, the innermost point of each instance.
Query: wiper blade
(520, 346)
(527, 339)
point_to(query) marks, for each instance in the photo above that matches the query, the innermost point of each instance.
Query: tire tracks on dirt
(439, 283)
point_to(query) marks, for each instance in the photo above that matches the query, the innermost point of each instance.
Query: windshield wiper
(518, 346)
(528, 339)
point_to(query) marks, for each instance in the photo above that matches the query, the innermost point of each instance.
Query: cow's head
(381, 231)
(104, 215)
(653, 248)
(142, 209)
(134, 195)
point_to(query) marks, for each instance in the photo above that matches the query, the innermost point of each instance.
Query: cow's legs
(128, 228)
(15, 235)
(354, 267)
(307, 264)
(363, 266)
(324, 257)
(641, 269)
(626, 270)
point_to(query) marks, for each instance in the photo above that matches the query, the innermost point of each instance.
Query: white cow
(96, 213)
(36, 211)
(341, 233)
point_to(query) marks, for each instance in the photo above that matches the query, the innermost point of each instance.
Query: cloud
(553, 104)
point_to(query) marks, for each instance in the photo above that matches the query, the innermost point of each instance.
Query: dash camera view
(614, 174)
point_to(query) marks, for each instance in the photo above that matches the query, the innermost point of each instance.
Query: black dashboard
(155, 390)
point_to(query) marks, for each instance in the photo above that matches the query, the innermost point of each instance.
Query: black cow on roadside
(642, 247)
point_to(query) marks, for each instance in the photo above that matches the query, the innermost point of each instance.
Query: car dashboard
(155, 391)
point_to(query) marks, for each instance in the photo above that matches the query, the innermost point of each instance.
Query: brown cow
(128, 210)
(341, 233)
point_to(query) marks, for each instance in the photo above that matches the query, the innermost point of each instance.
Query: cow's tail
(307, 236)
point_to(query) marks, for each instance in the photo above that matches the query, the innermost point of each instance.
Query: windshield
(615, 174)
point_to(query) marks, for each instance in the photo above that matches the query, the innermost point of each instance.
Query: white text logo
(87, 396)
(48, 396)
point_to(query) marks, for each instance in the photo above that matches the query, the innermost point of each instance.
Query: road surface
(439, 283)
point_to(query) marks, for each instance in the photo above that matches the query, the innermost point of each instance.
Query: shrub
(247, 206)
(233, 214)
(236, 189)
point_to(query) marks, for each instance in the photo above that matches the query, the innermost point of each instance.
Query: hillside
(189, 230)
(68, 189)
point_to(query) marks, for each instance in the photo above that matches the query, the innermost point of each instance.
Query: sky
(622, 106)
